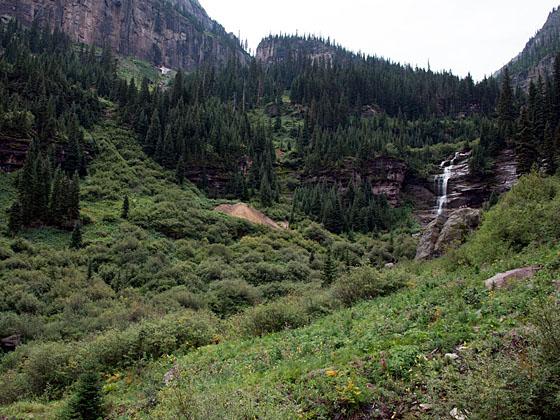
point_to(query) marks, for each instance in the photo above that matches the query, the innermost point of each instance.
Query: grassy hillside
(417, 341)
(173, 265)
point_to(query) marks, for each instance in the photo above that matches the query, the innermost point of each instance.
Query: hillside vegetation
(422, 349)
(125, 294)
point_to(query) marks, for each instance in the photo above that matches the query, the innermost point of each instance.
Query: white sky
(479, 36)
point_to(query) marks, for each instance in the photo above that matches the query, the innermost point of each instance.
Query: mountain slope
(537, 58)
(177, 33)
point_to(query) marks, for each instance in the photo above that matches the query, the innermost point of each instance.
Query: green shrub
(46, 369)
(529, 213)
(228, 297)
(315, 232)
(5, 253)
(365, 283)
(22, 246)
(274, 317)
(265, 272)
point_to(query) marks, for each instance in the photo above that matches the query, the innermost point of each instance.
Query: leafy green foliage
(87, 402)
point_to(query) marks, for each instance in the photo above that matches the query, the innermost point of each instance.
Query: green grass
(131, 67)
(337, 363)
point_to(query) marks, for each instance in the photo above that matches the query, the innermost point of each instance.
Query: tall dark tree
(76, 238)
(125, 208)
(15, 218)
(506, 108)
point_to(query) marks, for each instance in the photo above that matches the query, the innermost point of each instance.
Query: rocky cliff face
(386, 175)
(537, 58)
(277, 49)
(465, 194)
(464, 189)
(173, 33)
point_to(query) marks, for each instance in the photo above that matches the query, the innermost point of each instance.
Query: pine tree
(180, 171)
(153, 137)
(329, 270)
(15, 218)
(555, 96)
(525, 149)
(125, 208)
(265, 192)
(87, 402)
(76, 238)
(73, 198)
(57, 197)
(73, 151)
(506, 109)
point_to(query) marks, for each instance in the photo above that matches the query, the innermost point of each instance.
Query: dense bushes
(366, 283)
(48, 368)
(529, 214)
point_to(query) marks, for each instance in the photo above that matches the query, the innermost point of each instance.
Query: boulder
(458, 225)
(10, 343)
(444, 233)
(502, 280)
(429, 239)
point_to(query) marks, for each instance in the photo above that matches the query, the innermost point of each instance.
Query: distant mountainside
(276, 49)
(173, 33)
(537, 58)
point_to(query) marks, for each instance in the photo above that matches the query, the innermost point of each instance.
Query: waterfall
(442, 183)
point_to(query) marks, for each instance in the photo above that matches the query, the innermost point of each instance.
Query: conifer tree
(125, 208)
(76, 238)
(525, 150)
(87, 402)
(180, 171)
(15, 219)
(506, 109)
(153, 137)
(265, 192)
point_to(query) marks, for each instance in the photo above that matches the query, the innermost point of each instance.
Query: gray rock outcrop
(447, 232)
(503, 280)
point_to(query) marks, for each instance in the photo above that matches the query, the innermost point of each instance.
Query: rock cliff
(386, 175)
(172, 33)
(278, 49)
(537, 58)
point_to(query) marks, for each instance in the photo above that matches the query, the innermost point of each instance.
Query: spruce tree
(15, 218)
(180, 170)
(265, 192)
(125, 208)
(87, 401)
(73, 198)
(525, 150)
(153, 137)
(506, 109)
(76, 238)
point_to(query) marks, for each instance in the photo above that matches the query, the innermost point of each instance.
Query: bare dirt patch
(246, 212)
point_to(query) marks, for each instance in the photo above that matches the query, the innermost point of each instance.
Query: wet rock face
(386, 175)
(176, 34)
(468, 190)
(447, 232)
(463, 189)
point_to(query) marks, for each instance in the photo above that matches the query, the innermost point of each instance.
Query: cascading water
(442, 183)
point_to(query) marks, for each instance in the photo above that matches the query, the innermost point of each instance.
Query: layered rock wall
(176, 34)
